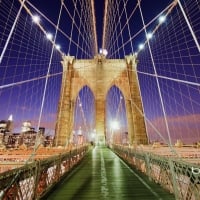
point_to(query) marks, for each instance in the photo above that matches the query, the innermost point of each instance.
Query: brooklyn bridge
(99, 99)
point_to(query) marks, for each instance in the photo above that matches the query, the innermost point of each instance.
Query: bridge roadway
(103, 175)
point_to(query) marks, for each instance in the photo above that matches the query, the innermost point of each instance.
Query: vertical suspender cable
(156, 76)
(47, 77)
(120, 26)
(94, 28)
(189, 26)
(70, 41)
(105, 21)
(132, 50)
(80, 16)
(11, 31)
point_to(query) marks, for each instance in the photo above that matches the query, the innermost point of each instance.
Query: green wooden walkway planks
(102, 175)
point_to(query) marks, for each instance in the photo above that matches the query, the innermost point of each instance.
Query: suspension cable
(72, 28)
(11, 31)
(156, 76)
(46, 81)
(189, 26)
(94, 28)
(132, 50)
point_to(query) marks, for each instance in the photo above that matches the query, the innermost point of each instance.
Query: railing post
(173, 175)
(147, 163)
(37, 175)
(57, 173)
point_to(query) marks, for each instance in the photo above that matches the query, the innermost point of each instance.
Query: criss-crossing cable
(21, 66)
(173, 55)
(115, 112)
(29, 61)
(84, 117)
(167, 51)
(173, 37)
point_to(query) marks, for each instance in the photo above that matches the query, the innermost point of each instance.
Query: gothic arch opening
(84, 117)
(115, 117)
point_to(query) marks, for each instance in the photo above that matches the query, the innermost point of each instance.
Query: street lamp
(80, 136)
(114, 126)
(162, 19)
(36, 19)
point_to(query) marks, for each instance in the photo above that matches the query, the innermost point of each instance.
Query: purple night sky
(168, 71)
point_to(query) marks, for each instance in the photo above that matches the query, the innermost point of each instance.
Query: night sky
(169, 82)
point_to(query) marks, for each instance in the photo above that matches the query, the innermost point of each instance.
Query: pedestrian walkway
(103, 176)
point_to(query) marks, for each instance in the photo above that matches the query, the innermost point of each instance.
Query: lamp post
(93, 137)
(80, 136)
(114, 125)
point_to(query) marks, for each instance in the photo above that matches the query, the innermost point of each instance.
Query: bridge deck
(102, 175)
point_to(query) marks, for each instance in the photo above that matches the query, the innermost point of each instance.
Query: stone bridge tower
(99, 74)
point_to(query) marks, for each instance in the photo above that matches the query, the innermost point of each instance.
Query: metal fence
(34, 180)
(178, 177)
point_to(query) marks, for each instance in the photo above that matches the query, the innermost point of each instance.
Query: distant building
(6, 125)
(48, 141)
(27, 136)
(42, 130)
(10, 124)
(3, 126)
(26, 126)
(5, 130)
(12, 140)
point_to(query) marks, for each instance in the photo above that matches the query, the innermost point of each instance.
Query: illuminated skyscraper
(6, 126)
(10, 124)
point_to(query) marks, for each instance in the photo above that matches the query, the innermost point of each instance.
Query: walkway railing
(178, 177)
(35, 179)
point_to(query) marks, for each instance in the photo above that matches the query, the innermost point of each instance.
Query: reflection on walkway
(102, 175)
